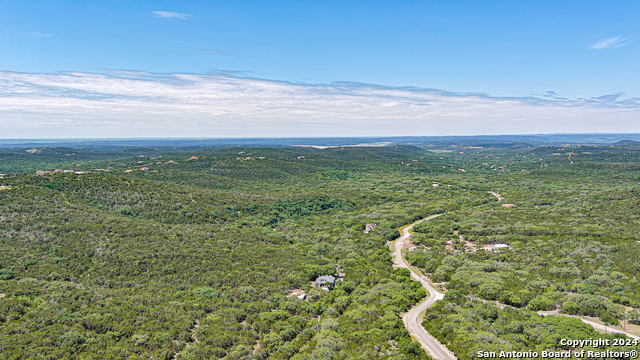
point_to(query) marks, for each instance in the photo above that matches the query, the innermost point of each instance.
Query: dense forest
(172, 254)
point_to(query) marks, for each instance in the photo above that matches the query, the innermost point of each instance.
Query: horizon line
(308, 137)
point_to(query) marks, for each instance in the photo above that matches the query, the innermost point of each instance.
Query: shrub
(71, 338)
(205, 291)
(6, 274)
(392, 234)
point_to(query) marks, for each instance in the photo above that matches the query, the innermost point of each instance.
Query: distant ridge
(623, 143)
(513, 142)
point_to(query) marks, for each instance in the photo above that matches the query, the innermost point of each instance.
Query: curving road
(429, 343)
(435, 349)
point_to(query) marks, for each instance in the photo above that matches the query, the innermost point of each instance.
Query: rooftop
(326, 278)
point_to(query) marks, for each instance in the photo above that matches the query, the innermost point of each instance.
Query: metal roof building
(322, 280)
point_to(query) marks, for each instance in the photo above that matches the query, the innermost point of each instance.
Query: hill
(624, 143)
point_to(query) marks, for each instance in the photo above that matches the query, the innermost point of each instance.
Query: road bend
(429, 343)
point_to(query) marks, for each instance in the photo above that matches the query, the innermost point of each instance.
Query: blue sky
(568, 54)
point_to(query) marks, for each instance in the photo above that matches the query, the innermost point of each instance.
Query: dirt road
(500, 197)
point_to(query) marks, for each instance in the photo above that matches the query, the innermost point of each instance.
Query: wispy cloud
(34, 33)
(553, 95)
(168, 15)
(610, 42)
(128, 103)
(214, 52)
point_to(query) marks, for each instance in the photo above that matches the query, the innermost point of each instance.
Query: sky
(317, 68)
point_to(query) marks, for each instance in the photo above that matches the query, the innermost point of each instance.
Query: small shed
(495, 247)
(325, 280)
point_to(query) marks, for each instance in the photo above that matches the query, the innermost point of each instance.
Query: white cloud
(41, 34)
(139, 104)
(610, 42)
(171, 15)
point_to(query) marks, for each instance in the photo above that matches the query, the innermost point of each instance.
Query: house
(508, 205)
(496, 247)
(325, 280)
(193, 158)
(144, 169)
(369, 227)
